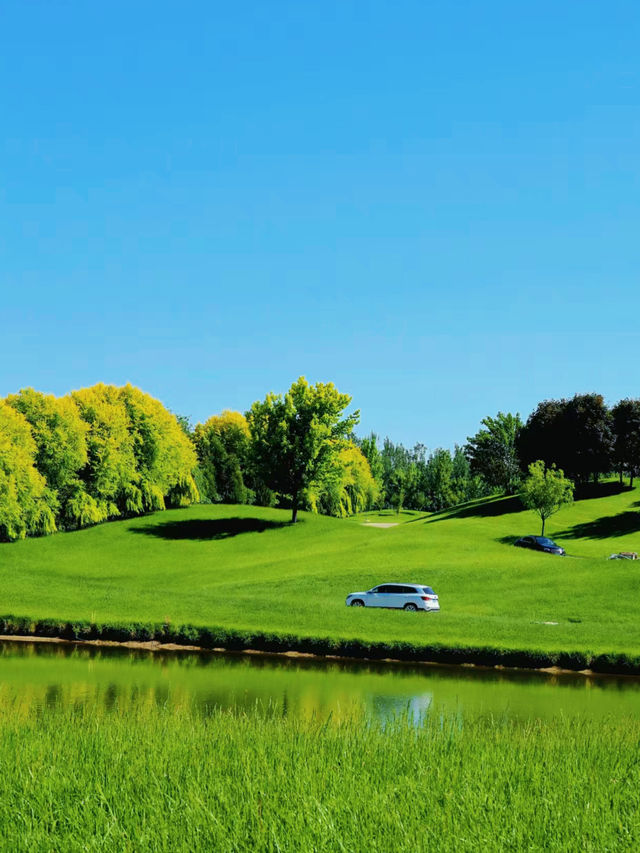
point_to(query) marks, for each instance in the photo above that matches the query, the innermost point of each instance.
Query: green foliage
(546, 490)
(574, 434)
(222, 445)
(492, 452)
(294, 437)
(99, 453)
(347, 485)
(164, 454)
(26, 505)
(626, 429)
(371, 452)
(59, 433)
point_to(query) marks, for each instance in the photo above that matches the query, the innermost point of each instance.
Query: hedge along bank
(210, 638)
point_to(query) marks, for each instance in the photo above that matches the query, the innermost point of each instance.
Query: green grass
(158, 780)
(246, 568)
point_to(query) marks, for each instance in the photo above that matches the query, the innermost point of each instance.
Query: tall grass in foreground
(166, 780)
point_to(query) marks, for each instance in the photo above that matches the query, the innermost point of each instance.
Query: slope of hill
(246, 568)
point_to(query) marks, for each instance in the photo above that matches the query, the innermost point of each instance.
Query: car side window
(408, 590)
(383, 589)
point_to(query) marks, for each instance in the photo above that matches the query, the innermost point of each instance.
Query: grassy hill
(247, 568)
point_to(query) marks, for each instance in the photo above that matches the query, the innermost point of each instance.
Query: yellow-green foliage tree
(97, 453)
(222, 445)
(347, 486)
(110, 476)
(138, 455)
(26, 506)
(60, 436)
(164, 455)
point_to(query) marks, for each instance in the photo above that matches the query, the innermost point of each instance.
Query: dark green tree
(625, 417)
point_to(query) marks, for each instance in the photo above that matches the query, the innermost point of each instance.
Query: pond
(46, 675)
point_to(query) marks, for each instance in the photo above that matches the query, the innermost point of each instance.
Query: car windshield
(428, 590)
(542, 540)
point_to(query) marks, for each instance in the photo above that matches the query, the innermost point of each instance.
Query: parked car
(540, 543)
(406, 596)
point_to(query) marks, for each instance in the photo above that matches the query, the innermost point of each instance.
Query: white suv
(406, 596)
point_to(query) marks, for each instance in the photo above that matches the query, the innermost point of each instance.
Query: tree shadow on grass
(203, 529)
(603, 528)
(480, 509)
(508, 540)
(589, 491)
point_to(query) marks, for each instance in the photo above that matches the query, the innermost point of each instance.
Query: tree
(222, 444)
(164, 454)
(492, 451)
(371, 452)
(347, 486)
(626, 430)
(439, 485)
(293, 437)
(545, 490)
(574, 434)
(60, 436)
(26, 505)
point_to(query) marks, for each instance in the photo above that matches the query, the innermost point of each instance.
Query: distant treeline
(106, 452)
(581, 436)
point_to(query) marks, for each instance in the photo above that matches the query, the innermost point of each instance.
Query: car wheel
(410, 606)
(357, 603)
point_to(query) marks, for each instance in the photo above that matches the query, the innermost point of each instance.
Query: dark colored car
(540, 543)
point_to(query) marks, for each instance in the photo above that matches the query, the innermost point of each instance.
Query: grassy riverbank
(247, 572)
(170, 781)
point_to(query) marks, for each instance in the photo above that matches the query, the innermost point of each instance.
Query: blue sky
(434, 205)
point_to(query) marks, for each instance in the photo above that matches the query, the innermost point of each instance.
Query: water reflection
(43, 676)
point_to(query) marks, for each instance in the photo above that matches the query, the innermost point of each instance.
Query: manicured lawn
(247, 568)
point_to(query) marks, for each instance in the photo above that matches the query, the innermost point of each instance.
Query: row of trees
(106, 452)
(98, 453)
(417, 480)
(295, 449)
(580, 435)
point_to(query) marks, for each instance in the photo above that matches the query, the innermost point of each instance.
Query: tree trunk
(543, 521)
(294, 509)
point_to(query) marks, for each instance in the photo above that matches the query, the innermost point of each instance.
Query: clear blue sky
(434, 205)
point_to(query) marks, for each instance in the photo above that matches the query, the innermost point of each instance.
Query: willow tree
(26, 505)
(223, 445)
(346, 487)
(164, 455)
(60, 436)
(293, 437)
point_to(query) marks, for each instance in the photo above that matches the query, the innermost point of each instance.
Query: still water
(41, 675)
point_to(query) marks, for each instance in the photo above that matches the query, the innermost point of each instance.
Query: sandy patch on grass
(380, 524)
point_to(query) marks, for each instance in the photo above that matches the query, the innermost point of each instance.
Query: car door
(409, 596)
(380, 596)
(395, 596)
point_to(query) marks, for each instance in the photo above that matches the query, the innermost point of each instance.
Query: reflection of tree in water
(53, 696)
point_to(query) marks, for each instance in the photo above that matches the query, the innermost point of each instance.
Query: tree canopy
(294, 436)
(492, 452)
(546, 490)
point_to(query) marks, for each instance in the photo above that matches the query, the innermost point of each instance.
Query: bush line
(235, 640)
